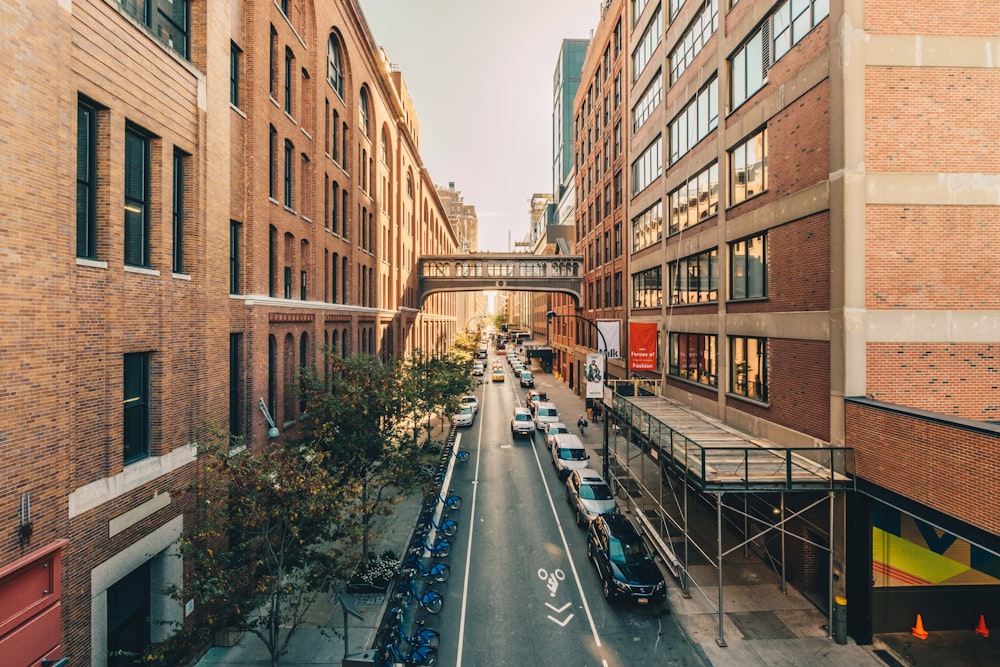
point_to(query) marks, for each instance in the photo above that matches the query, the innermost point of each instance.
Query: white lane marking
(561, 624)
(569, 556)
(558, 610)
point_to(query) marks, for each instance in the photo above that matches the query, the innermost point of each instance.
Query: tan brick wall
(980, 18)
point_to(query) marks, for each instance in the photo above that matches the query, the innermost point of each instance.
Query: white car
(464, 417)
(545, 413)
(553, 429)
(568, 454)
(521, 423)
(589, 495)
(470, 401)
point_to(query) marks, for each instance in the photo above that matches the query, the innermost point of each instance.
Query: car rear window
(521, 417)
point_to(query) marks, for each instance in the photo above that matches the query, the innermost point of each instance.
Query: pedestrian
(581, 423)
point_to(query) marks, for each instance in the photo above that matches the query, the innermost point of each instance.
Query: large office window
(748, 367)
(86, 181)
(748, 268)
(695, 200)
(650, 39)
(180, 160)
(792, 20)
(647, 288)
(648, 101)
(695, 279)
(136, 406)
(166, 19)
(235, 230)
(334, 67)
(136, 197)
(748, 168)
(648, 167)
(695, 121)
(747, 69)
(694, 357)
(637, 7)
(694, 39)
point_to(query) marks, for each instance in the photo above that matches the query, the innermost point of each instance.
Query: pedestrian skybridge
(517, 272)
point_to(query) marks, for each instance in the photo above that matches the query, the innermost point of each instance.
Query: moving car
(470, 401)
(623, 562)
(589, 495)
(478, 369)
(497, 375)
(544, 413)
(527, 378)
(464, 417)
(568, 454)
(553, 429)
(535, 396)
(521, 423)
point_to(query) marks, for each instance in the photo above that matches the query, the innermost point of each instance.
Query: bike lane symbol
(552, 584)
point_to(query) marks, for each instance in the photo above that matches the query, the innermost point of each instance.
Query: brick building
(811, 204)
(247, 190)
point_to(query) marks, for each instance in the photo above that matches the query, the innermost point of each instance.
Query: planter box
(227, 637)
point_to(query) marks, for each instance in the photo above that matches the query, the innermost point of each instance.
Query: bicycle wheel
(439, 572)
(449, 527)
(441, 549)
(454, 502)
(462, 455)
(424, 655)
(432, 602)
(428, 637)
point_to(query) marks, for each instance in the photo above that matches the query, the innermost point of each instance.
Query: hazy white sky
(480, 74)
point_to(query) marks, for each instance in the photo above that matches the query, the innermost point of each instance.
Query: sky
(480, 74)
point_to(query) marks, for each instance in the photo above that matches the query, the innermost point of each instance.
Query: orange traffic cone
(981, 628)
(919, 631)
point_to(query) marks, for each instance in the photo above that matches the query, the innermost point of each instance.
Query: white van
(568, 453)
(544, 413)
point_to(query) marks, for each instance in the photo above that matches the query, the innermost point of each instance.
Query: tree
(273, 530)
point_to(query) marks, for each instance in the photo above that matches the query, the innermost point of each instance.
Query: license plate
(642, 600)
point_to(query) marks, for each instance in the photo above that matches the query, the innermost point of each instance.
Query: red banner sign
(642, 346)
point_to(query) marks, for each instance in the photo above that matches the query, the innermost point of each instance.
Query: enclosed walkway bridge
(675, 468)
(517, 272)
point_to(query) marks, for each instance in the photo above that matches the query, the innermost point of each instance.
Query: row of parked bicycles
(404, 638)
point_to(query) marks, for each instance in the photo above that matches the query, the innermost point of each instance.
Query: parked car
(553, 429)
(589, 495)
(568, 453)
(623, 562)
(545, 412)
(521, 423)
(464, 417)
(527, 378)
(478, 369)
(535, 396)
(518, 369)
(470, 401)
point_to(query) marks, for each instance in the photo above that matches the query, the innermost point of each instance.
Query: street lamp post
(604, 451)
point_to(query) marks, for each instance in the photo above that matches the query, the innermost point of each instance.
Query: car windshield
(554, 430)
(600, 491)
(522, 417)
(547, 412)
(627, 550)
(466, 410)
(572, 454)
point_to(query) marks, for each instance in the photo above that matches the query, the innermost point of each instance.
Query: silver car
(552, 429)
(545, 412)
(589, 495)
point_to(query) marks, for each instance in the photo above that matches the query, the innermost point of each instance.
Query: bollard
(840, 619)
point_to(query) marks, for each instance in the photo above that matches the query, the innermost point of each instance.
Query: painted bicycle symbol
(552, 580)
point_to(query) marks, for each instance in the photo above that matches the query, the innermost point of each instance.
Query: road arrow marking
(560, 609)
(561, 624)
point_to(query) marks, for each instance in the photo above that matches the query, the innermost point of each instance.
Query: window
(166, 19)
(289, 68)
(365, 118)
(288, 283)
(648, 102)
(136, 407)
(694, 357)
(748, 168)
(302, 285)
(694, 39)
(747, 69)
(648, 167)
(272, 164)
(235, 56)
(618, 89)
(334, 67)
(272, 72)
(334, 207)
(695, 121)
(335, 267)
(675, 6)
(647, 288)
(793, 20)
(647, 227)
(618, 239)
(235, 229)
(86, 181)
(136, 198)
(289, 152)
(637, 7)
(695, 279)
(647, 44)
(618, 290)
(272, 264)
(694, 200)
(748, 268)
(748, 367)
(235, 384)
(618, 37)
(336, 133)
(180, 160)
(618, 188)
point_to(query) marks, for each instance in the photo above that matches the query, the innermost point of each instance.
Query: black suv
(623, 561)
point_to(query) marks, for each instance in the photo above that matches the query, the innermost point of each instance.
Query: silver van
(568, 453)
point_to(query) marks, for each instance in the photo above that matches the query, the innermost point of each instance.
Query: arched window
(364, 111)
(334, 66)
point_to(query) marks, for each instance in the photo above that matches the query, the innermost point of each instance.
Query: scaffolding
(658, 452)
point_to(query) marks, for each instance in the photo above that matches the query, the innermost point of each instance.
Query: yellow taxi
(498, 374)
